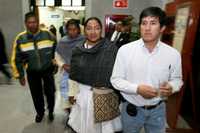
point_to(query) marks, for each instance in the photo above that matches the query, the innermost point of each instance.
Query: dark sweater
(93, 66)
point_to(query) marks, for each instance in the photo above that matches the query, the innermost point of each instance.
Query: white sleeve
(118, 78)
(60, 61)
(73, 88)
(176, 75)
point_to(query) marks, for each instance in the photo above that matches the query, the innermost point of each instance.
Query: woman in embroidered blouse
(91, 66)
(63, 57)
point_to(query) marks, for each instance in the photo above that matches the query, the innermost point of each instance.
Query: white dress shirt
(135, 65)
(115, 36)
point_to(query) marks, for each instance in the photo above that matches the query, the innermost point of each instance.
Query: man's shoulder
(46, 34)
(131, 45)
(23, 33)
(45, 31)
(170, 49)
(20, 37)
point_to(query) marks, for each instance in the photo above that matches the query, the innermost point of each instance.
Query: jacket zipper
(37, 54)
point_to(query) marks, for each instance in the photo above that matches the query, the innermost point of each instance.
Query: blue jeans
(64, 85)
(153, 120)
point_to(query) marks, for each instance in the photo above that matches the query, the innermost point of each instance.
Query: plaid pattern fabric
(93, 66)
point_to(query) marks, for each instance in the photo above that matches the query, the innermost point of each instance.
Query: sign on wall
(120, 4)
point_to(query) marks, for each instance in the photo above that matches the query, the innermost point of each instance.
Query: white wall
(100, 8)
(11, 20)
(25, 8)
(49, 16)
(70, 14)
(159, 3)
(12, 13)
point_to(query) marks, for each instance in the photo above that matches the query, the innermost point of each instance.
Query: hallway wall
(12, 13)
(100, 8)
(51, 16)
(11, 20)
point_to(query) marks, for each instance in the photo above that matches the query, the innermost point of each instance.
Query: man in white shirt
(147, 71)
(117, 31)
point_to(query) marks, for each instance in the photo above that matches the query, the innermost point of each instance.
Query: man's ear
(162, 29)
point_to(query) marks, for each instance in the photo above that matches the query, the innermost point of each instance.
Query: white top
(60, 61)
(115, 36)
(135, 65)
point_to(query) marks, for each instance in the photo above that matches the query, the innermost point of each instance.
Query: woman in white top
(91, 66)
(63, 56)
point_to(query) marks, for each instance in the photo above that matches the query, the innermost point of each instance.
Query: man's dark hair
(154, 12)
(29, 15)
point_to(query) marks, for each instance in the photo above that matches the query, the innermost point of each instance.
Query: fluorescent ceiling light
(66, 2)
(49, 2)
(72, 8)
(40, 2)
(76, 2)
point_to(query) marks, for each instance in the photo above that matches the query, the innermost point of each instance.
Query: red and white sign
(120, 4)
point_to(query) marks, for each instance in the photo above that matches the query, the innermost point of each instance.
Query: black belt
(149, 107)
(131, 109)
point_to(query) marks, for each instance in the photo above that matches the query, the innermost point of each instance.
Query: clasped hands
(149, 92)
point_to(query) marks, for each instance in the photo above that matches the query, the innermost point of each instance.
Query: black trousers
(41, 83)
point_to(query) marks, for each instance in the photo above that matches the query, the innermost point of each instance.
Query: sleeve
(118, 78)
(54, 40)
(59, 59)
(74, 69)
(175, 79)
(54, 45)
(73, 87)
(16, 61)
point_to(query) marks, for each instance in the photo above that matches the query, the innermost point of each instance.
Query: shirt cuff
(175, 88)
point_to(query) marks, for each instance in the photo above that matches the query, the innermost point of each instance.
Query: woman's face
(73, 31)
(93, 31)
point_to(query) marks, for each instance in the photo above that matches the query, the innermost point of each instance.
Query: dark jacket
(3, 56)
(33, 52)
(124, 38)
(93, 66)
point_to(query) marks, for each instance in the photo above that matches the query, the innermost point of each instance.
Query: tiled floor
(17, 112)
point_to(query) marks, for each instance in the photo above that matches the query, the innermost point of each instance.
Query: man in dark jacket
(124, 36)
(33, 51)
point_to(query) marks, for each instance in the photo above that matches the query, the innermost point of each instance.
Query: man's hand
(66, 67)
(22, 81)
(165, 89)
(147, 91)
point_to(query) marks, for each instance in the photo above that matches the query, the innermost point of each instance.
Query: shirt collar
(156, 47)
(34, 33)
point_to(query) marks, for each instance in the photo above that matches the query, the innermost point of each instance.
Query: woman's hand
(72, 100)
(66, 67)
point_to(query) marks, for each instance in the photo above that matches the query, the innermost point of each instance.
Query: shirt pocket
(161, 73)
